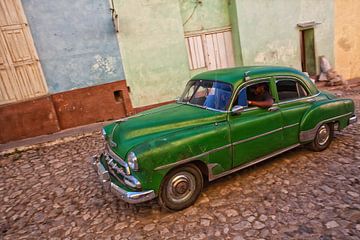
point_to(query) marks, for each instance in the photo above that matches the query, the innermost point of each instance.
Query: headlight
(132, 161)
(103, 133)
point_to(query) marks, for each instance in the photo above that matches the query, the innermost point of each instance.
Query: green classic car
(215, 129)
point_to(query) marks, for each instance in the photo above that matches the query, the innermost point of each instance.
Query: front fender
(326, 111)
(157, 157)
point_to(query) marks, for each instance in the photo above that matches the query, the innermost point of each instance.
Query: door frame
(278, 131)
(304, 56)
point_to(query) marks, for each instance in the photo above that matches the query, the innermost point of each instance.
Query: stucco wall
(205, 15)
(75, 41)
(153, 49)
(347, 38)
(269, 34)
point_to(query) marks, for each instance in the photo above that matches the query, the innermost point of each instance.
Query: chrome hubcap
(181, 187)
(323, 134)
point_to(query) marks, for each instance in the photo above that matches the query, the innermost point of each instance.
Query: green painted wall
(269, 34)
(204, 14)
(153, 49)
(198, 16)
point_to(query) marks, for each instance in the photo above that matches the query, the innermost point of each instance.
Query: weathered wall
(205, 15)
(153, 49)
(76, 42)
(269, 34)
(347, 38)
(27, 119)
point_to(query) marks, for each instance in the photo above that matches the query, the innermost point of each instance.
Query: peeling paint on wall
(76, 42)
(276, 53)
(103, 66)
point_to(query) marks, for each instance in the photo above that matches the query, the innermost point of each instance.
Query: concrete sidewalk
(64, 135)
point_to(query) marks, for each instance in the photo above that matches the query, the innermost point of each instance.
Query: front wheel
(323, 137)
(181, 187)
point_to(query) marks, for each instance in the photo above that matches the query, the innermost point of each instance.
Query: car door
(255, 132)
(293, 100)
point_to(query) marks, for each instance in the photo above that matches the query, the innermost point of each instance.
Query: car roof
(235, 76)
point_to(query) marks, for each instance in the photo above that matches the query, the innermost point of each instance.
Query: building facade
(60, 67)
(167, 42)
(347, 38)
(70, 63)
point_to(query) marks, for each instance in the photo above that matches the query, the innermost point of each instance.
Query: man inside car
(259, 96)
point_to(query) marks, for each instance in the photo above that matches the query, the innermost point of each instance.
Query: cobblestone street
(51, 191)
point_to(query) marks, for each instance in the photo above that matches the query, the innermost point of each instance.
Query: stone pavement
(51, 191)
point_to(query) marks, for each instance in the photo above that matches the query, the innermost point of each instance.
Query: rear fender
(328, 111)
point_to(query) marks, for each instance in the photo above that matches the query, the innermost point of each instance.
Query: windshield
(207, 94)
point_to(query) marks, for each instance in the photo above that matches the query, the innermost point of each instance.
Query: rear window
(290, 89)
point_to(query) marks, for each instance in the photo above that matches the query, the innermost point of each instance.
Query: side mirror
(236, 110)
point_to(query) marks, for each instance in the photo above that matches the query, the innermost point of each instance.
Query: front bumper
(127, 196)
(352, 119)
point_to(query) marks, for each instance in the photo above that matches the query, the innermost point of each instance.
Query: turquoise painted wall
(153, 49)
(269, 34)
(76, 42)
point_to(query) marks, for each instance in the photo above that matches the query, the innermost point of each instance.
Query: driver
(259, 96)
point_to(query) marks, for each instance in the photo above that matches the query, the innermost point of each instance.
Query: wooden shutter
(195, 51)
(220, 50)
(21, 76)
(211, 50)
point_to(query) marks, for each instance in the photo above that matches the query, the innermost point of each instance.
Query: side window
(302, 91)
(290, 89)
(254, 92)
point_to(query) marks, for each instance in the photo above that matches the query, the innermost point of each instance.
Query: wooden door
(308, 61)
(219, 50)
(210, 50)
(21, 76)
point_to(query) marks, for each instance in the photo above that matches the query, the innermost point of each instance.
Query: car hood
(159, 122)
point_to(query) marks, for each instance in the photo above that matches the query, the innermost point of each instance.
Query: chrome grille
(110, 157)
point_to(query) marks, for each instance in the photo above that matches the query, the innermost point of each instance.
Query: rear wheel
(323, 137)
(181, 187)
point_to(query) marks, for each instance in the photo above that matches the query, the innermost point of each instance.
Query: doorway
(307, 45)
(21, 76)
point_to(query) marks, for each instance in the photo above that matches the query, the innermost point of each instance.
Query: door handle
(273, 109)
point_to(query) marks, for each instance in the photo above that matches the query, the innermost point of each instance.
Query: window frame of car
(208, 108)
(251, 82)
(298, 81)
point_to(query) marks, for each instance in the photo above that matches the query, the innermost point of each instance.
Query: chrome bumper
(353, 119)
(130, 197)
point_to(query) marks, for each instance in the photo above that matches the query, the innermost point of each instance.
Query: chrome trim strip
(257, 136)
(353, 119)
(309, 135)
(290, 126)
(213, 177)
(299, 99)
